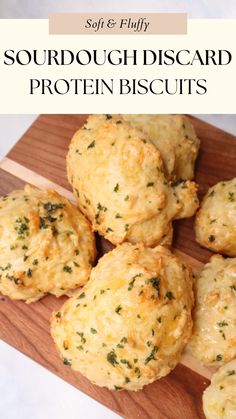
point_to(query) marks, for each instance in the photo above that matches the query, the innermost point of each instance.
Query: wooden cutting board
(39, 158)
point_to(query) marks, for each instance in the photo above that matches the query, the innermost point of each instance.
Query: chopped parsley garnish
(87, 200)
(155, 283)
(8, 266)
(108, 116)
(91, 145)
(223, 323)
(150, 184)
(211, 238)
(126, 362)
(170, 295)
(35, 262)
(42, 223)
(58, 314)
(51, 219)
(66, 362)
(177, 182)
(100, 207)
(127, 380)
(67, 269)
(108, 229)
(231, 372)
(80, 348)
(213, 221)
(118, 215)
(222, 334)
(131, 284)
(92, 330)
(97, 217)
(118, 309)
(211, 193)
(81, 335)
(22, 227)
(54, 231)
(127, 197)
(112, 358)
(51, 207)
(14, 279)
(28, 273)
(219, 357)
(152, 355)
(81, 296)
(117, 388)
(231, 196)
(122, 341)
(116, 188)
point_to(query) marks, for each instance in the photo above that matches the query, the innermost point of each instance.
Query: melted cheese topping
(118, 178)
(219, 399)
(131, 322)
(46, 245)
(215, 225)
(175, 138)
(214, 333)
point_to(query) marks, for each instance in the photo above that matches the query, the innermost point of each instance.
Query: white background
(40, 9)
(28, 391)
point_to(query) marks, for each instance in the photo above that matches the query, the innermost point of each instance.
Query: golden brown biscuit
(46, 245)
(118, 178)
(219, 399)
(214, 332)
(175, 138)
(132, 320)
(215, 224)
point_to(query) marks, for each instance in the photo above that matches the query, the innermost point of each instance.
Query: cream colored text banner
(188, 73)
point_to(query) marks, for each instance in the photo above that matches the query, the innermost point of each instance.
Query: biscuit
(132, 320)
(175, 138)
(118, 178)
(219, 399)
(215, 225)
(214, 332)
(46, 245)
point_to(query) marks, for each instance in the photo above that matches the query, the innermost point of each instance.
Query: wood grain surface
(40, 157)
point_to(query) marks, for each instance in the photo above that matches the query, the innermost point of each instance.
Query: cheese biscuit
(46, 245)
